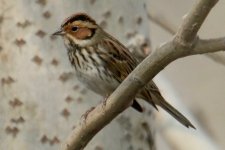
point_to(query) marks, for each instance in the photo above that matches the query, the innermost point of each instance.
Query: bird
(101, 62)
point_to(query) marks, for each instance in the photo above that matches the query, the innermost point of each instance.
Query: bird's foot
(104, 101)
(85, 115)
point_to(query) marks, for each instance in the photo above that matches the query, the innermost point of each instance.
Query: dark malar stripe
(72, 58)
(77, 60)
(88, 50)
(82, 55)
(93, 60)
(72, 61)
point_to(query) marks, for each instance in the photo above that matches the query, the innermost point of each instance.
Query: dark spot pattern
(7, 81)
(69, 99)
(20, 42)
(65, 113)
(12, 131)
(37, 60)
(55, 62)
(40, 33)
(24, 24)
(18, 120)
(46, 14)
(15, 103)
(65, 76)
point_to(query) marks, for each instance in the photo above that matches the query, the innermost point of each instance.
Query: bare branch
(193, 20)
(167, 26)
(209, 46)
(184, 44)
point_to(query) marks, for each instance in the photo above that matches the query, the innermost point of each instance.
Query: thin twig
(212, 45)
(193, 21)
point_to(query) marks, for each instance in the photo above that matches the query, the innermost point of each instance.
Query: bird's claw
(104, 101)
(85, 115)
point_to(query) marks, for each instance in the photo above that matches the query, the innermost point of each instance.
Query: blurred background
(41, 101)
(198, 80)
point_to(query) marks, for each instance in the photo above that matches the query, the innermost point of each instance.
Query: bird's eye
(74, 29)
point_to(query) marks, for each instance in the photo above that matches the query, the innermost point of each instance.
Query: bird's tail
(152, 95)
(175, 113)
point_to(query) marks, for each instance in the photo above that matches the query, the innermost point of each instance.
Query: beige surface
(40, 99)
(197, 79)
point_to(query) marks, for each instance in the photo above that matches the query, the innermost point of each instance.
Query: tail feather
(176, 114)
(152, 95)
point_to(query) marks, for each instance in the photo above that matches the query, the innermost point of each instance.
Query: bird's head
(79, 29)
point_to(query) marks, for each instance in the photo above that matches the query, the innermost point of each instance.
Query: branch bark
(183, 44)
(212, 45)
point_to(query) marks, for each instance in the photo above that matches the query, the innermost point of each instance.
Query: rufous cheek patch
(82, 33)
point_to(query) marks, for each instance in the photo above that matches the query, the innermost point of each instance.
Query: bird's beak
(59, 32)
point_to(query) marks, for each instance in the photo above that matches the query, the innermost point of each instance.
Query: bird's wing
(117, 59)
(121, 62)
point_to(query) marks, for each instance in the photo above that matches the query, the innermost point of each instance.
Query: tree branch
(193, 20)
(209, 46)
(167, 26)
(183, 44)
